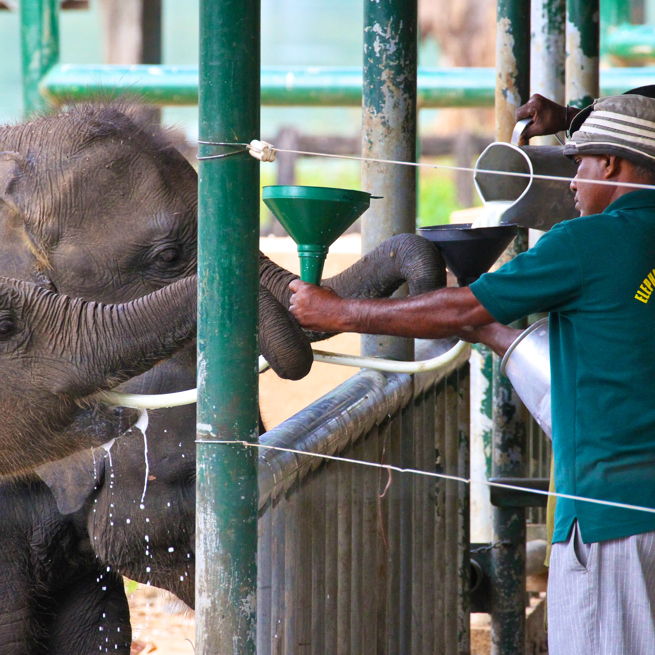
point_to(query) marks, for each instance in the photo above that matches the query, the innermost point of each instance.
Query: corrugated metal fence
(347, 564)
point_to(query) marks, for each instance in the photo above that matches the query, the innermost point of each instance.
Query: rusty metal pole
(582, 52)
(509, 414)
(228, 230)
(389, 130)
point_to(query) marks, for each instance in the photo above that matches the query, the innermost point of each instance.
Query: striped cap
(617, 125)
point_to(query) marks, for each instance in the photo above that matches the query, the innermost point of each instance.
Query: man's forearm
(434, 315)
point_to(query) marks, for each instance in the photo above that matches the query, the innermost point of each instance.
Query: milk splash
(142, 424)
(492, 213)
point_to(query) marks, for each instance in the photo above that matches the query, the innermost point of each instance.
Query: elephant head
(96, 205)
(56, 352)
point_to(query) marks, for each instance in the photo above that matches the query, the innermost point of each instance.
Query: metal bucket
(527, 365)
(536, 203)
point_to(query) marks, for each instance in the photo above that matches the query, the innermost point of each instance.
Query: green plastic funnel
(315, 217)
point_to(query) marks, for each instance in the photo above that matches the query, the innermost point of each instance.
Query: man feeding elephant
(595, 276)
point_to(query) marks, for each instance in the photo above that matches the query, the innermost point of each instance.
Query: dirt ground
(163, 625)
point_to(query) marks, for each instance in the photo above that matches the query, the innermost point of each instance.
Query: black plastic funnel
(469, 252)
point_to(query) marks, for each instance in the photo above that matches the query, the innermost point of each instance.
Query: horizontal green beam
(631, 42)
(312, 87)
(305, 87)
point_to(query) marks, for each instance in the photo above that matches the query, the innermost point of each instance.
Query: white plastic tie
(262, 150)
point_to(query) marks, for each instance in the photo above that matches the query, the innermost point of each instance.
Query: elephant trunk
(111, 343)
(281, 339)
(403, 258)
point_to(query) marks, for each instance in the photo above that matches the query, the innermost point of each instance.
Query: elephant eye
(168, 255)
(7, 328)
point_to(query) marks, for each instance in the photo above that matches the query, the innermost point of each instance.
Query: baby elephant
(56, 352)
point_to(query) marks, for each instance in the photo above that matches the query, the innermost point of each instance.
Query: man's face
(591, 198)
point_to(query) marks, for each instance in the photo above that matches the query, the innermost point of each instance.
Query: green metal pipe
(631, 43)
(389, 131)
(39, 46)
(509, 459)
(389, 112)
(228, 214)
(548, 54)
(512, 63)
(582, 52)
(299, 86)
(613, 13)
(509, 435)
(302, 87)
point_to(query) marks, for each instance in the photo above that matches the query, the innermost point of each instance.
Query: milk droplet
(171, 549)
(128, 521)
(147, 569)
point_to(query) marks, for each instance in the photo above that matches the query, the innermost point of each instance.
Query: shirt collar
(633, 200)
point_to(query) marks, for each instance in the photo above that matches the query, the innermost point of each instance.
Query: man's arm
(496, 336)
(435, 315)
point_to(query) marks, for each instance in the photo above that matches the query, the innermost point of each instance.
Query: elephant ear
(20, 256)
(11, 168)
(73, 479)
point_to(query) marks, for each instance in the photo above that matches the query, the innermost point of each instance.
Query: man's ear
(612, 166)
(73, 479)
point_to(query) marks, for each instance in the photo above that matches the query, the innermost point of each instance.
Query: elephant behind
(121, 223)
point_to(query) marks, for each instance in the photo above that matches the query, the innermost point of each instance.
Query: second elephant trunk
(403, 258)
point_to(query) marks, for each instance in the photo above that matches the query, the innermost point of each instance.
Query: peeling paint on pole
(548, 54)
(508, 561)
(389, 132)
(512, 63)
(582, 52)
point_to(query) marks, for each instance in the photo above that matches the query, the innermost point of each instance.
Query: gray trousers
(601, 596)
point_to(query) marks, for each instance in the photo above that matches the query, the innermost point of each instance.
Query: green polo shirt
(596, 276)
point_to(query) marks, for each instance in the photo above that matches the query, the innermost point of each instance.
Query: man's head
(615, 142)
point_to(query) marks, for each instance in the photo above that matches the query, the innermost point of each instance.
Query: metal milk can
(527, 365)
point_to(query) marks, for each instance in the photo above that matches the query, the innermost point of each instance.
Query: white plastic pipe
(159, 401)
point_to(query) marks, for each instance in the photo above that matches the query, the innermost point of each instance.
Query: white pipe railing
(159, 401)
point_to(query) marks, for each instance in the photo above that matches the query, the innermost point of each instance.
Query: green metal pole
(227, 494)
(40, 48)
(509, 425)
(509, 460)
(548, 54)
(582, 50)
(512, 63)
(612, 14)
(389, 130)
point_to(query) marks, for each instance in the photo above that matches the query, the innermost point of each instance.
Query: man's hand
(317, 308)
(496, 336)
(547, 117)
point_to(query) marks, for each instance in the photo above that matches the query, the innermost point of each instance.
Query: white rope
(555, 178)
(443, 476)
